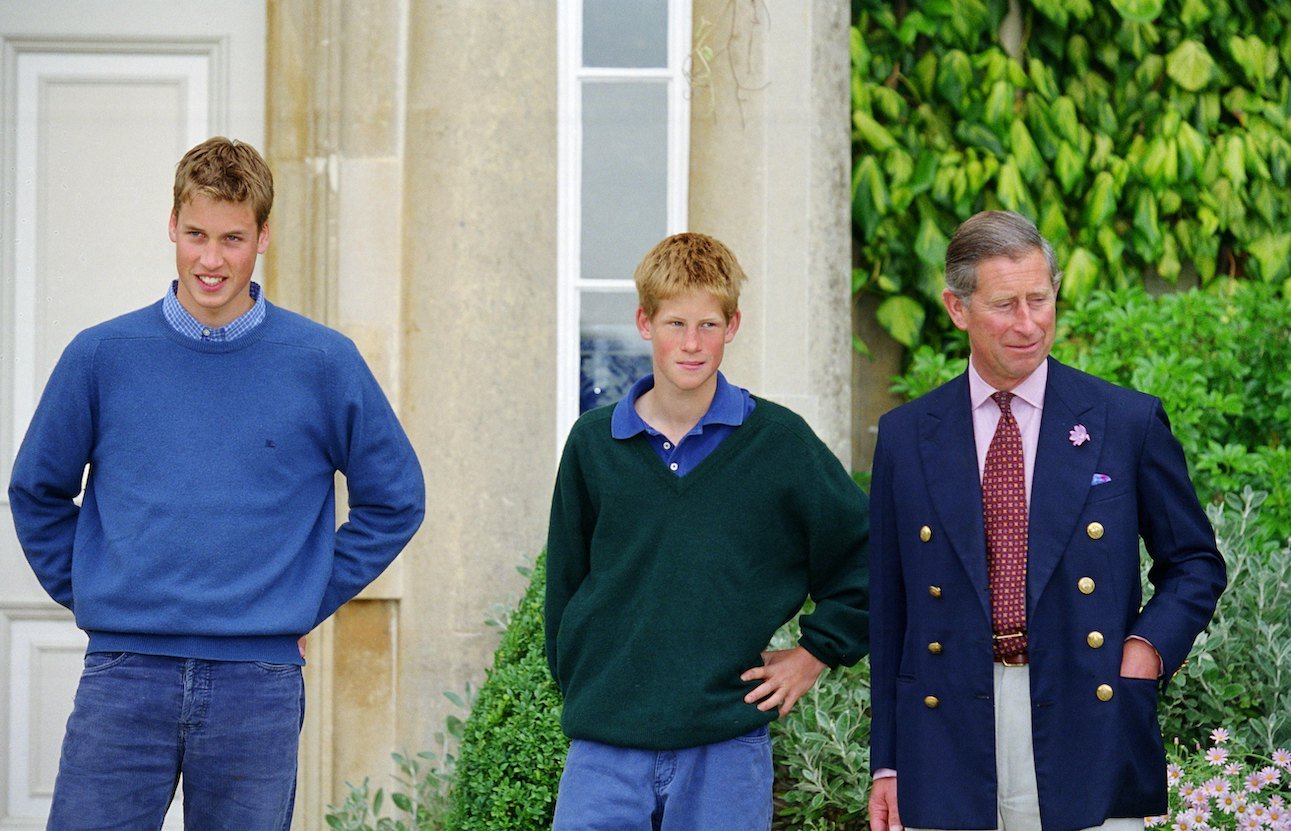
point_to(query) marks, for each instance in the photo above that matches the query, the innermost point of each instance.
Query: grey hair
(993, 234)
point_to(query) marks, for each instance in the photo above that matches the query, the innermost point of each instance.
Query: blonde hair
(688, 262)
(225, 170)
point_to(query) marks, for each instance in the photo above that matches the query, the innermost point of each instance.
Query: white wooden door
(99, 101)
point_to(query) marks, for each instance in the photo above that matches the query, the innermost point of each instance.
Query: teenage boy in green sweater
(689, 522)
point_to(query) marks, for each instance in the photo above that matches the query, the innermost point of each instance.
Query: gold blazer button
(934, 648)
(935, 591)
(1085, 585)
(1104, 692)
(925, 533)
(1095, 530)
(931, 702)
(1095, 639)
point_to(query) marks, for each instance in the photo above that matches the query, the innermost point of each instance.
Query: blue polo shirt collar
(728, 407)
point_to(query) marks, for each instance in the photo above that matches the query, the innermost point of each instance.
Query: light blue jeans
(724, 786)
(140, 721)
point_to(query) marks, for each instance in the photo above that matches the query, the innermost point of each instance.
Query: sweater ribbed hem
(273, 649)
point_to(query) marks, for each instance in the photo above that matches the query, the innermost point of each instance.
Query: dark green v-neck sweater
(662, 590)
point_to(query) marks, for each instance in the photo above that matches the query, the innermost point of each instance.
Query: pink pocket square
(1100, 479)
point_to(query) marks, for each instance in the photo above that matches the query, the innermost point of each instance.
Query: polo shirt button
(672, 466)
(667, 446)
(206, 333)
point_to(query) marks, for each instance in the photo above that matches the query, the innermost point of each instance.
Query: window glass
(625, 175)
(612, 355)
(625, 33)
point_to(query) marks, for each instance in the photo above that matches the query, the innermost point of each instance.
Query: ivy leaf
(1100, 203)
(1270, 252)
(954, 76)
(869, 196)
(1025, 151)
(1169, 267)
(1139, 11)
(930, 243)
(874, 133)
(902, 318)
(1081, 274)
(1190, 66)
(1068, 167)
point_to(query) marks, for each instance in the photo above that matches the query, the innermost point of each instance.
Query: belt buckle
(1005, 661)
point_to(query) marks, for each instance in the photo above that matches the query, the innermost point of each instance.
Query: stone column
(770, 168)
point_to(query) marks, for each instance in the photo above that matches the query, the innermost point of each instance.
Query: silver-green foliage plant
(1239, 672)
(822, 751)
(421, 794)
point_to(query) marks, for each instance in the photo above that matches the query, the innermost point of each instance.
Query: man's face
(1010, 318)
(216, 244)
(687, 335)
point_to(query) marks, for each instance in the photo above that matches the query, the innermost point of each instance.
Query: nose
(211, 257)
(690, 342)
(1024, 321)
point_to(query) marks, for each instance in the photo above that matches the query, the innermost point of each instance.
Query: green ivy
(1144, 137)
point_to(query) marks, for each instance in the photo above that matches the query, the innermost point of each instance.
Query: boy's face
(216, 245)
(687, 335)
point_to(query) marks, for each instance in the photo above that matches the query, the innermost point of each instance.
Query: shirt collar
(183, 322)
(1031, 390)
(727, 407)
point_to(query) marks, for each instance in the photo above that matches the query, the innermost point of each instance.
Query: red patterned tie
(1004, 509)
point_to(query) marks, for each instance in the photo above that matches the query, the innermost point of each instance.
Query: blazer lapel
(1061, 478)
(949, 458)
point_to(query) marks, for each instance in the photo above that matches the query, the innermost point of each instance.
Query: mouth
(211, 281)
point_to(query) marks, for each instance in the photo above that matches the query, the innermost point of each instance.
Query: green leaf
(1068, 167)
(869, 196)
(1139, 11)
(954, 76)
(1100, 203)
(1169, 267)
(1190, 66)
(1270, 252)
(902, 318)
(1146, 225)
(930, 243)
(1081, 274)
(1042, 76)
(1024, 150)
(1011, 191)
(873, 132)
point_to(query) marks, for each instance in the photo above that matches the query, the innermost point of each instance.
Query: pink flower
(1219, 735)
(1078, 435)
(1270, 775)
(1215, 787)
(1173, 773)
(1282, 758)
(1152, 822)
(1254, 782)
(1232, 770)
(1217, 756)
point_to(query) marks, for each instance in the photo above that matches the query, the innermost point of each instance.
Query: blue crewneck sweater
(208, 523)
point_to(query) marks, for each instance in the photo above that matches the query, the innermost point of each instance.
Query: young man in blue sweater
(205, 545)
(689, 522)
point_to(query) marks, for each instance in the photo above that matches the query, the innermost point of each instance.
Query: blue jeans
(140, 721)
(724, 786)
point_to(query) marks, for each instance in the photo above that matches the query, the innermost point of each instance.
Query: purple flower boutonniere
(1078, 435)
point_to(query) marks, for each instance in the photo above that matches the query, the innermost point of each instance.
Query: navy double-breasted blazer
(1098, 748)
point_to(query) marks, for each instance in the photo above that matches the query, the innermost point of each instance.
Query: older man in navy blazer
(1015, 669)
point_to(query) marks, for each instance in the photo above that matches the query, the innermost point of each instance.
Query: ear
(643, 325)
(263, 242)
(174, 227)
(732, 326)
(955, 308)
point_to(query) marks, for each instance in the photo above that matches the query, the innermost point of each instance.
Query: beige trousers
(1019, 803)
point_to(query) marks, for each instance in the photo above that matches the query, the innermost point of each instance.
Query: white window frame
(571, 75)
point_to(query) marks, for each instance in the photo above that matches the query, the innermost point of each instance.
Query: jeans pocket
(759, 735)
(96, 662)
(276, 669)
